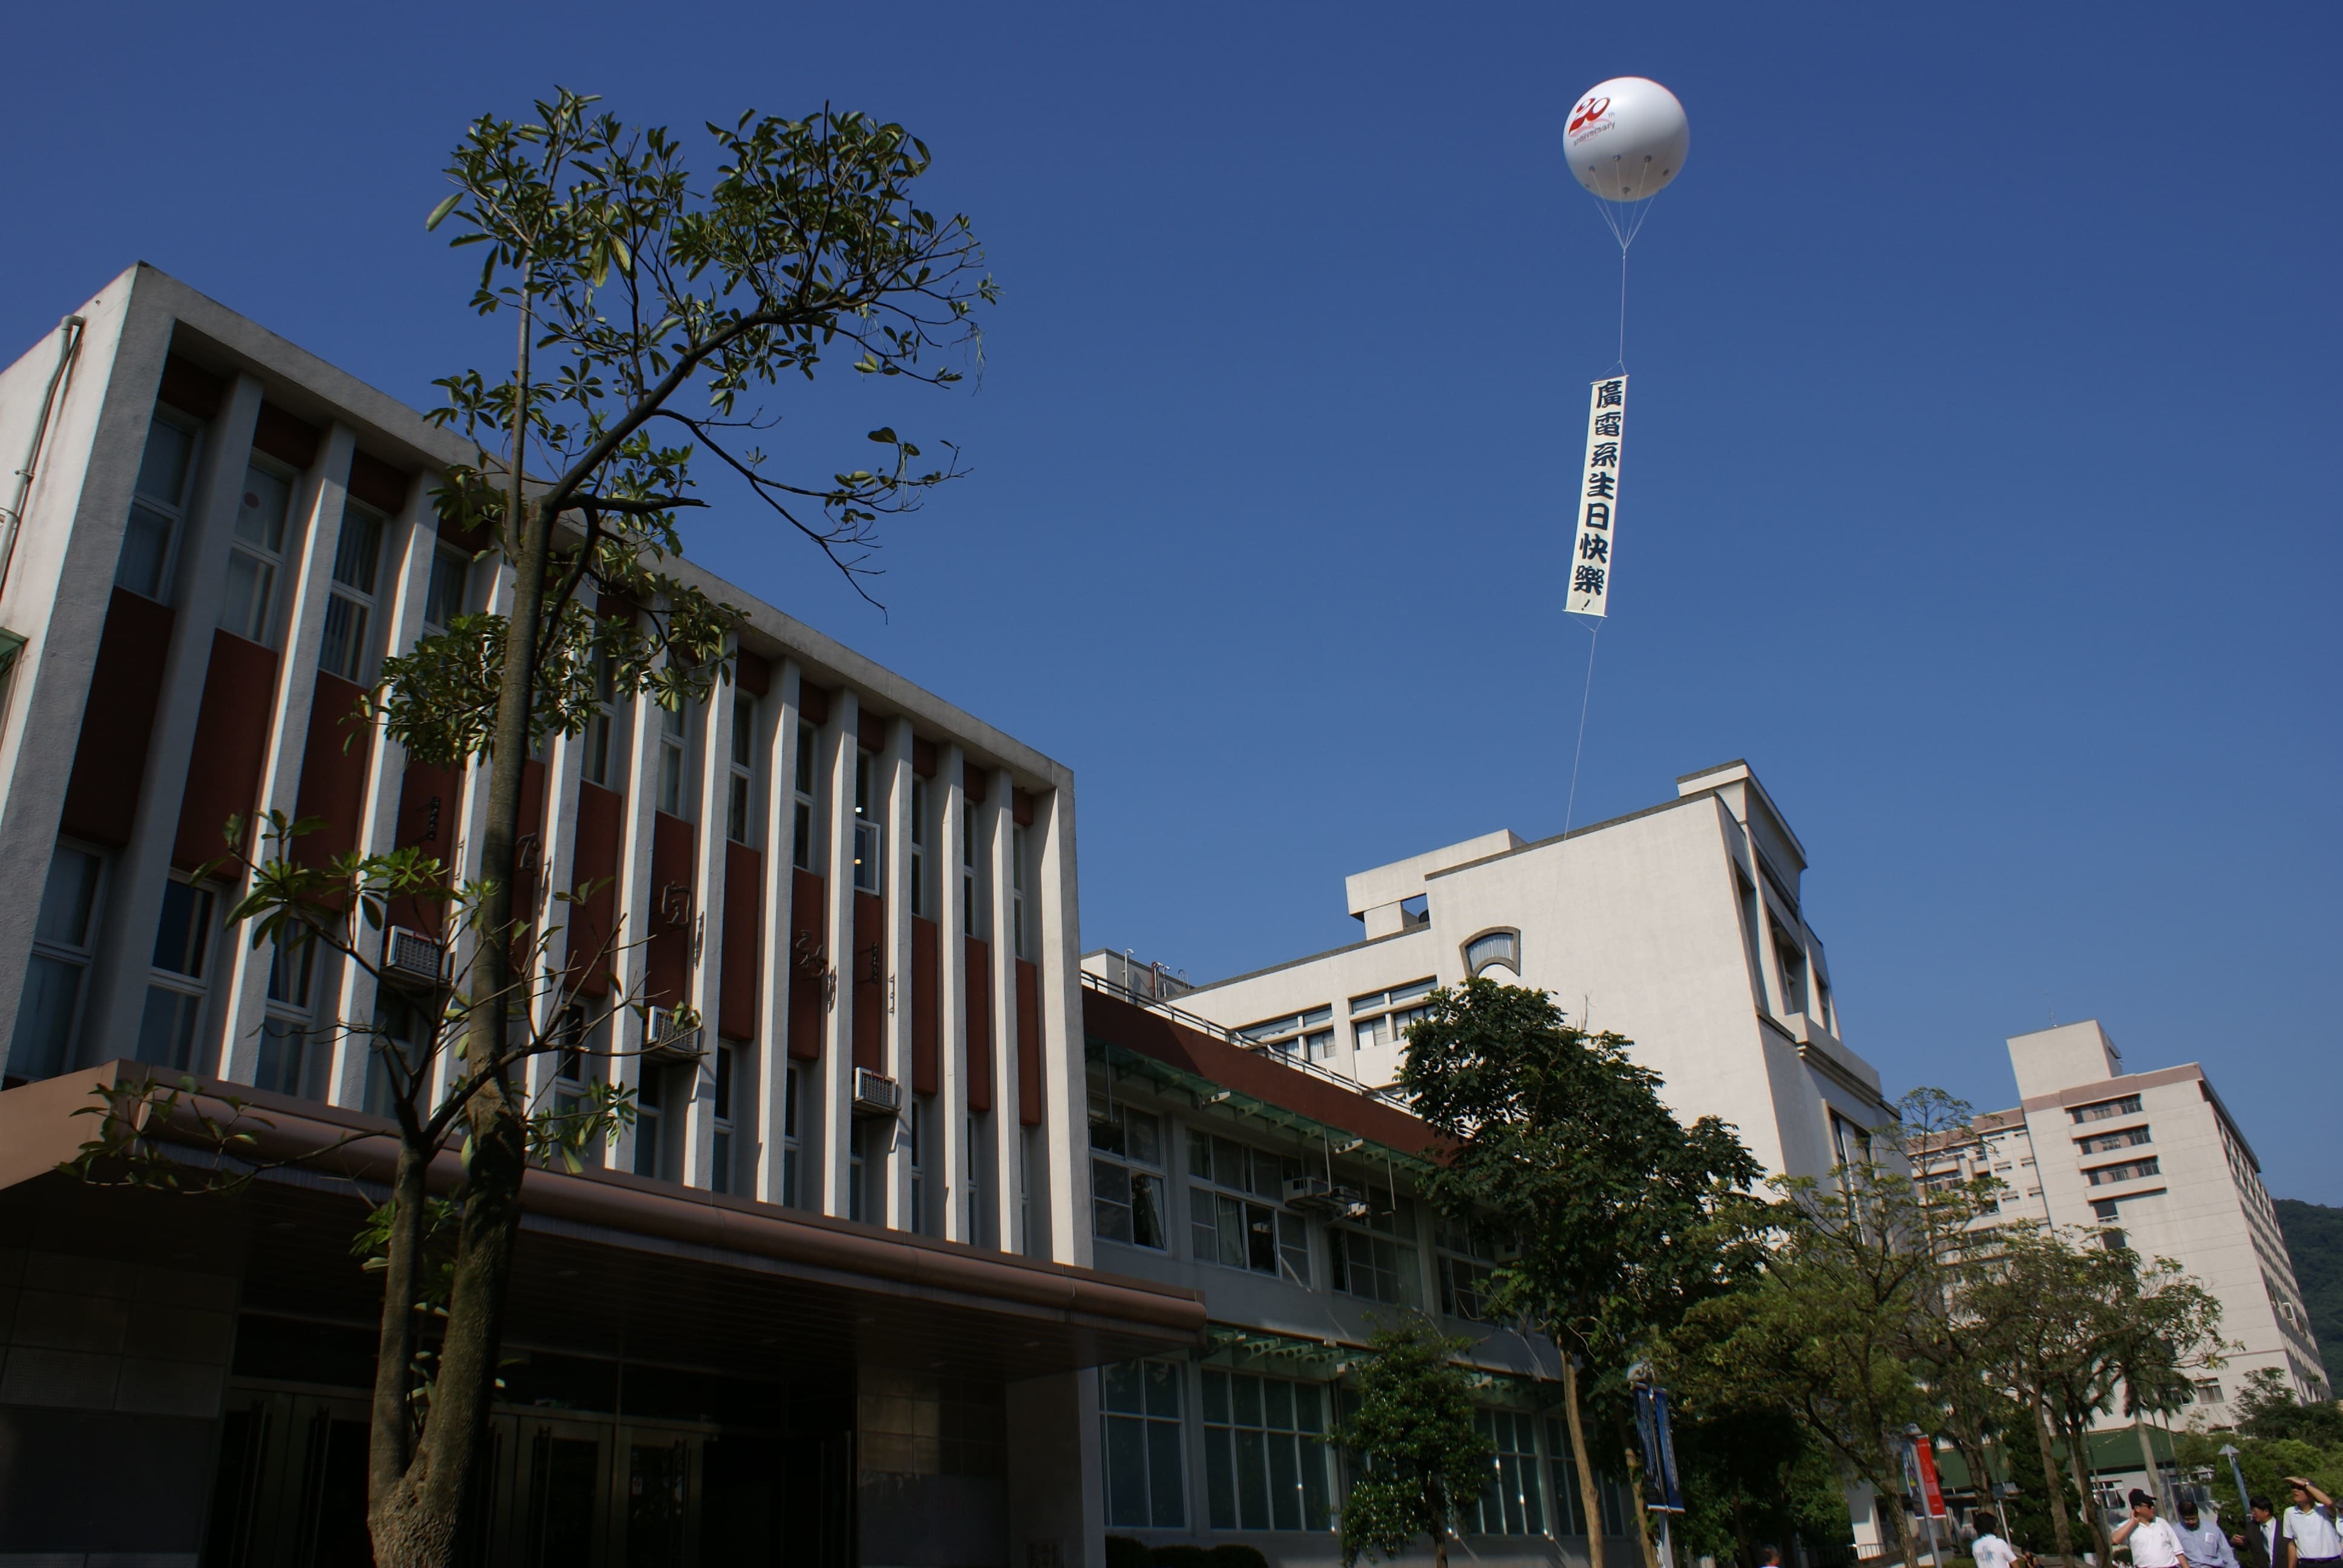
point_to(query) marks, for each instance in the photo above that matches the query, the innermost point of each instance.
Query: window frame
(1289, 1251)
(1223, 1420)
(1510, 957)
(78, 957)
(267, 619)
(457, 562)
(601, 725)
(1388, 1013)
(173, 513)
(740, 790)
(1516, 1490)
(191, 988)
(869, 824)
(805, 844)
(1344, 1236)
(1143, 1428)
(918, 849)
(1114, 1160)
(361, 601)
(673, 783)
(1307, 1034)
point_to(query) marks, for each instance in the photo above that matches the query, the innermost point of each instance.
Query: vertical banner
(1924, 1449)
(1663, 1487)
(1598, 498)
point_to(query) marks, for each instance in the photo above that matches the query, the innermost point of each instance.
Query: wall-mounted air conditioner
(667, 1038)
(1317, 1195)
(876, 1094)
(413, 955)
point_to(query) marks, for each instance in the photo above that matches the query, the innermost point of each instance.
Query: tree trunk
(1440, 1548)
(433, 1506)
(2060, 1526)
(1590, 1500)
(2076, 1447)
(390, 1421)
(1907, 1535)
(1644, 1534)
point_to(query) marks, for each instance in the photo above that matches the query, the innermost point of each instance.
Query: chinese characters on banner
(1598, 500)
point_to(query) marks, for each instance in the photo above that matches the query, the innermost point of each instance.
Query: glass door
(660, 1505)
(561, 1493)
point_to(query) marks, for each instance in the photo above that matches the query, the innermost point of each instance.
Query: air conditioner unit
(667, 1039)
(876, 1094)
(413, 955)
(1317, 1195)
(1507, 1252)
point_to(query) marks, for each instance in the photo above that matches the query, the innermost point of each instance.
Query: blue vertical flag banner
(1592, 552)
(1663, 1487)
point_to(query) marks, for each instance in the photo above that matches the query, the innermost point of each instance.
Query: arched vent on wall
(1493, 948)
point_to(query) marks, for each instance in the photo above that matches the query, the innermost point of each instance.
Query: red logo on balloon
(1589, 112)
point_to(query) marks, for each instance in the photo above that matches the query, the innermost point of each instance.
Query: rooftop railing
(1205, 1026)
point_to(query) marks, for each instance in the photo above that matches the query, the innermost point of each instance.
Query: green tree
(2087, 1330)
(649, 305)
(1418, 1457)
(1825, 1332)
(1561, 1142)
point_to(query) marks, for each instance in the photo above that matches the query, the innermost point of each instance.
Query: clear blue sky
(1985, 359)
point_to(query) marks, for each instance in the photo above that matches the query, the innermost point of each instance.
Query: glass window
(739, 815)
(157, 508)
(1514, 1503)
(1228, 1222)
(175, 994)
(2128, 1138)
(2131, 1170)
(1374, 1257)
(255, 554)
(1570, 1515)
(357, 559)
(51, 1004)
(719, 1169)
(971, 907)
(1307, 1035)
(1265, 1463)
(649, 1096)
(444, 595)
(802, 853)
(1382, 1018)
(1126, 1199)
(673, 725)
(1502, 948)
(789, 1140)
(600, 765)
(1468, 1255)
(919, 904)
(2105, 1110)
(1139, 1428)
(1017, 891)
(869, 836)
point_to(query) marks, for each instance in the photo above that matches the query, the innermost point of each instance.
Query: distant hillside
(2314, 1240)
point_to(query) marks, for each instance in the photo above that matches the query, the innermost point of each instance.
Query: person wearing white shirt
(2205, 1544)
(1990, 1549)
(2154, 1543)
(2308, 1527)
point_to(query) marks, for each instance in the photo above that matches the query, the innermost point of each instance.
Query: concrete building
(2156, 1158)
(927, 1252)
(1679, 926)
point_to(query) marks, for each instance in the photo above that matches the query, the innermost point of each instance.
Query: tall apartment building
(1679, 926)
(2156, 1158)
(928, 1251)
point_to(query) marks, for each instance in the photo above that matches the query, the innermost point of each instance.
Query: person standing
(2308, 1527)
(2154, 1543)
(2258, 1544)
(2205, 1545)
(1990, 1549)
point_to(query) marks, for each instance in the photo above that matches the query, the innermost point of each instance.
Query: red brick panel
(119, 721)
(980, 1023)
(868, 963)
(736, 986)
(333, 770)
(809, 974)
(601, 816)
(675, 909)
(1029, 1044)
(231, 747)
(926, 1004)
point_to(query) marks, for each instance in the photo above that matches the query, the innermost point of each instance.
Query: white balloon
(1628, 137)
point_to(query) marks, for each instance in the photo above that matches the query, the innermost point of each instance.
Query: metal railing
(1205, 1026)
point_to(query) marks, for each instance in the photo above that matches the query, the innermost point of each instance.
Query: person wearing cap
(2205, 1545)
(2308, 1527)
(2258, 1544)
(2154, 1543)
(1990, 1549)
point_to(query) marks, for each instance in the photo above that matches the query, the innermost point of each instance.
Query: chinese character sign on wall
(1598, 498)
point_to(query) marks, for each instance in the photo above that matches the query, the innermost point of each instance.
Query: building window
(1493, 950)
(1383, 1017)
(855, 1169)
(1235, 1210)
(447, 592)
(2105, 1109)
(1514, 1503)
(2128, 1138)
(601, 722)
(741, 803)
(256, 554)
(920, 849)
(674, 725)
(869, 836)
(1265, 1465)
(1138, 1428)
(650, 1108)
(51, 1006)
(349, 607)
(1564, 1469)
(158, 506)
(1308, 1035)
(1374, 1257)
(1126, 1197)
(1017, 891)
(288, 1063)
(1792, 957)
(801, 846)
(2208, 1390)
(720, 1165)
(919, 1152)
(789, 1140)
(174, 991)
(2130, 1170)
(1467, 1253)
(978, 1233)
(970, 906)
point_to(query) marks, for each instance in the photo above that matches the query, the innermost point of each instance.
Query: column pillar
(706, 972)
(778, 973)
(835, 817)
(952, 976)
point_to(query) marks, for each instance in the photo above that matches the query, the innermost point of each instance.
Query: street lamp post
(2245, 1501)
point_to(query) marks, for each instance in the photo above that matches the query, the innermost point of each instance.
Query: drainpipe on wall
(68, 344)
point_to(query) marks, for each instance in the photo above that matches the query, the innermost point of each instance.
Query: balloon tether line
(1585, 698)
